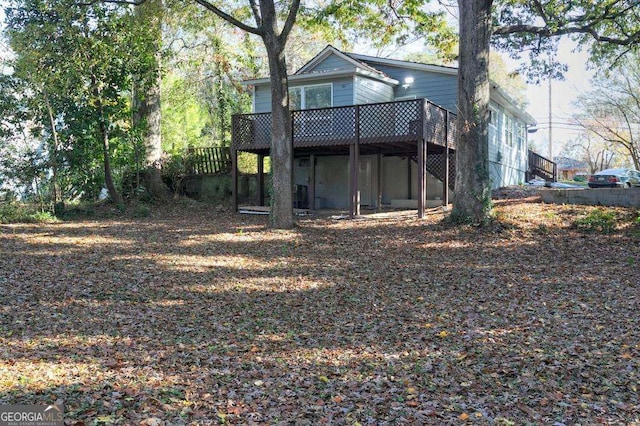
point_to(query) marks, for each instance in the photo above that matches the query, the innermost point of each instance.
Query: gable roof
(306, 72)
(405, 64)
(330, 50)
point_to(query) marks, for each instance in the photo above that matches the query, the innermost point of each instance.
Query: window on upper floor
(521, 135)
(493, 117)
(309, 97)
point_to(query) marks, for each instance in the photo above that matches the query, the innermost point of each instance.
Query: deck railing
(542, 167)
(388, 122)
(208, 160)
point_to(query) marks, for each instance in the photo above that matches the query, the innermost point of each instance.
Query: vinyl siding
(369, 91)
(262, 99)
(331, 63)
(441, 89)
(507, 164)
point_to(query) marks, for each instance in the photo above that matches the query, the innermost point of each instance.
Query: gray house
(375, 132)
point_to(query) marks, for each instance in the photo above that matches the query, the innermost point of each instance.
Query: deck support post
(422, 177)
(234, 179)
(354, 195)
(354, 167)
(445, 182)
(260, 184)
(379, 182)
(409, 189)
(312, 182)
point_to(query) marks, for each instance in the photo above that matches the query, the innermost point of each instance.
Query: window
(521, 135)
(508, 129)
(493, 117)
(312, 123)
(309, 97)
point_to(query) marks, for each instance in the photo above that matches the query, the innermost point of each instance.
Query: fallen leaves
(192, 317)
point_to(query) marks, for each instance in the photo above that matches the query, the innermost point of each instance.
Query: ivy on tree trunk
(473, 182)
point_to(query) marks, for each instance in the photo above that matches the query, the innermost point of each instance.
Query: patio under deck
(415, 128)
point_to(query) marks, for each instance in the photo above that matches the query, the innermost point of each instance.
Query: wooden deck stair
(540, 166)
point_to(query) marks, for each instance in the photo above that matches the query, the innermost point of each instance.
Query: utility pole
(550, 125)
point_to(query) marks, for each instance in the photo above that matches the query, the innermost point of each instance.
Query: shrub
(598, 220)
(24, 213)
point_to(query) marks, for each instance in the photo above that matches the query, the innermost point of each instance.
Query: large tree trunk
(147, 107)
(473, 183)
(281, 145)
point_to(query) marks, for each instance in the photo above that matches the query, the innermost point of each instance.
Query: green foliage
(24, 213)
(184, 117)
(141, 210)
(608, 29)
(73, 70)
(600, 220)
(387, 24)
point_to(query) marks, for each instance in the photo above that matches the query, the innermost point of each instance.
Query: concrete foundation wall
(624, 197)
(332, 180)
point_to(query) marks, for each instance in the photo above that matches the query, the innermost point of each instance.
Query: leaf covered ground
(194, 316)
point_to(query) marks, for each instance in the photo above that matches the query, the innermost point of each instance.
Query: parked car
(615, 178)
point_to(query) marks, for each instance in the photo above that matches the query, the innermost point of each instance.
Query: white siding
(507, 163)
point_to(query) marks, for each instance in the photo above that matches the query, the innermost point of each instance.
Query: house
(371, 131)
(569, 168)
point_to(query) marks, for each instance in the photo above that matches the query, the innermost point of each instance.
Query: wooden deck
(387, 127)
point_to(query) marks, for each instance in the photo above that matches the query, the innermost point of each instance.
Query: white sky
(563, 93)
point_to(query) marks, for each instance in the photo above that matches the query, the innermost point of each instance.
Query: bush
(598, 220)
(24, 213)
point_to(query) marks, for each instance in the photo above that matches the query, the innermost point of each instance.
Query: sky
(563, 94)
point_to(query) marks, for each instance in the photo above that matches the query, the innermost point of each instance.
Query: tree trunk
(281, 145)
(147, 107)
(55, 187)
(473, 183)
(108, 177)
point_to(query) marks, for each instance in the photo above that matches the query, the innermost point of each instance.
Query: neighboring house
(568, 167)
(374, 131)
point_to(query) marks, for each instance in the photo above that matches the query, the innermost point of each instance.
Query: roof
(362, 66)
(330, 50)
(406, 64)
(567, 163)
(306, 73)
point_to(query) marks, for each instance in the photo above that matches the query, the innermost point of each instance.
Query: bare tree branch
(547, 32)
(256, 12)
(291, 19)
(253, 30)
